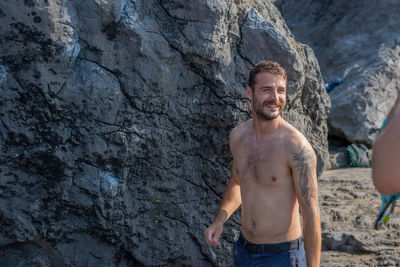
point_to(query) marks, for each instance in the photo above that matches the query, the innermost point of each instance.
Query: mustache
(268, 102)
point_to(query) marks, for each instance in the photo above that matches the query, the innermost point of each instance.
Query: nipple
(273, 179)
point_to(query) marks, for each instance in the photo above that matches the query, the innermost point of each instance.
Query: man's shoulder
(297, 147)
(240, 129)
(238, 133)
(294, 138)
(291, 132)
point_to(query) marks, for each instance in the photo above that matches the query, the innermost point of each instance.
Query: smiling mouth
(273, 107)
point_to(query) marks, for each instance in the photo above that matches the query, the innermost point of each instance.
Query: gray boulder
(344, 242)
(115, 118)
(360, 43)
(338, 158)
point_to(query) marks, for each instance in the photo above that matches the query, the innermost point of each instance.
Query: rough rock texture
(115, 118)
(360, 43)
(349, 206)
(338, 158)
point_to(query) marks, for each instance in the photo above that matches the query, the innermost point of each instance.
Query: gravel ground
(349, 206)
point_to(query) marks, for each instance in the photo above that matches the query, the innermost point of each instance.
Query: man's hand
(213, 233)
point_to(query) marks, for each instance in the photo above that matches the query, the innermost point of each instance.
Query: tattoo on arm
(303, 160)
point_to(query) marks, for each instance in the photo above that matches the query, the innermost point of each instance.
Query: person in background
(273, 175)
(386, 154)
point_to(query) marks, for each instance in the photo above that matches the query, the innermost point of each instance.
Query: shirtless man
(273, 174)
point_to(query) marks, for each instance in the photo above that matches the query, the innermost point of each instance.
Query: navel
(273, 179)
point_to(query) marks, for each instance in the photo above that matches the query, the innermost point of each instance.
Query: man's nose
(274, 96)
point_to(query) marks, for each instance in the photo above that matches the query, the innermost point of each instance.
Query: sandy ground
(349, 206)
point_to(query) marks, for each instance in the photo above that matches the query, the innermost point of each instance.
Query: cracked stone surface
(115, 118)
(359, 43)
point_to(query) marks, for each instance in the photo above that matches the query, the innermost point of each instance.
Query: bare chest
(263, 164)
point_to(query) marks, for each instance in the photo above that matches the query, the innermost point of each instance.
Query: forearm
(230, 202)
(386, 157)
(312, 236)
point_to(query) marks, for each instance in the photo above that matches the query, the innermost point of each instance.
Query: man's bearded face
(269, 96)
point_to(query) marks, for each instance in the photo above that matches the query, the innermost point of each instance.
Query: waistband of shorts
(276, 248)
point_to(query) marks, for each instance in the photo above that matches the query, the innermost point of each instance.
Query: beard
(261, 110)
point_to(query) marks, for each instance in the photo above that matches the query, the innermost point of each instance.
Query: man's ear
(249, 93)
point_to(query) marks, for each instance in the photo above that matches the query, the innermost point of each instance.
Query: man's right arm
(230, 203)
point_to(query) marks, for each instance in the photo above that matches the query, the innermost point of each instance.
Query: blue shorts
(283, 254)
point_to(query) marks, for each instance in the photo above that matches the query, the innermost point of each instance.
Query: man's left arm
(303, 164)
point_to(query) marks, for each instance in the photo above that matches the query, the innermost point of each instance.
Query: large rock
(115, 118)
(359, 43)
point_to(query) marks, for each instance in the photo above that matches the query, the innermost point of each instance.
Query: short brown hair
(265, 66)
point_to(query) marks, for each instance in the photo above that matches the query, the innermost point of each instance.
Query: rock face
(115, 118)
(338, 158)
(359, 43)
